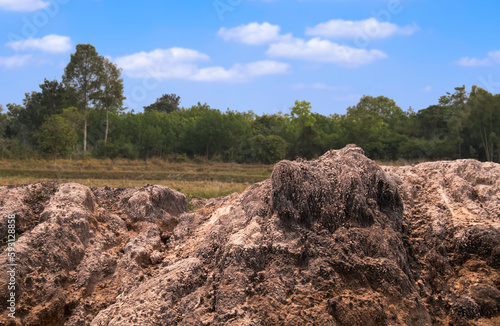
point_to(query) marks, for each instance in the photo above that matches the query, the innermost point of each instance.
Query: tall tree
(457, 114)
(485, 120)
(3, 122)
(111, 94)
(83, 74)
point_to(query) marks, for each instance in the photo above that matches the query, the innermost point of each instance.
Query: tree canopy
(461, 125)
(95, 82)
(167, 103)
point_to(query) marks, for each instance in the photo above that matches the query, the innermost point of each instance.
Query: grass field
(204, 180)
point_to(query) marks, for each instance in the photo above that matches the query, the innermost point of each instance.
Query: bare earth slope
(333, 241)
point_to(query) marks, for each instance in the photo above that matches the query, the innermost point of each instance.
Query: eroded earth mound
(333, 241)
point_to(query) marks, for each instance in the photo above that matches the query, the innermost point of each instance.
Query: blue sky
(259, 55)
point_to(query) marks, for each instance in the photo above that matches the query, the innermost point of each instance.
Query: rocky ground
(333, 241)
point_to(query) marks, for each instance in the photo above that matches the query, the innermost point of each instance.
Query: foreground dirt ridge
(334, 241)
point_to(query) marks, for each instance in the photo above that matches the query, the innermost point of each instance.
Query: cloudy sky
(259, 55)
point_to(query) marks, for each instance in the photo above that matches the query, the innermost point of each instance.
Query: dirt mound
(452, 217)
(333, 241)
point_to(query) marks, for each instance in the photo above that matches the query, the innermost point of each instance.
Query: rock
(333, 241)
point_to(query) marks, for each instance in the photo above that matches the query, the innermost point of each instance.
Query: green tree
(237, 127)
(167, 103)
(83, 74)
(203, 132)
(303, 136)
(330, 129)
(111, 96)
(15, 127)
(124, 136)
(457, 116)
(57, 135)
(155, 133)
(373, 125)
(39, 105)
(301, 114)
(270, 124)
(485, 120)
(267, 149)
(433, 127)
(3, 124)
(73, 116)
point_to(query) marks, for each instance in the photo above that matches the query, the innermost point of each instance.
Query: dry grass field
(203, 180)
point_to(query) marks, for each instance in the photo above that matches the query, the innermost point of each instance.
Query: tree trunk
(107, 128)
(85, 136)
(485, 144)
(460, 141)
(85, 108)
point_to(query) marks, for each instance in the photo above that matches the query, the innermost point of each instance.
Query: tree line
(83, 115)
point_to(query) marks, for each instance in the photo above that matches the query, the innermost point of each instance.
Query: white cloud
(179, 63)
(492, 58)
(324, 51)
(50, 43)
(253, 34)
(369, 28)
(427, 89)
(241, 72)
(23, 5)
(287, 46)
(162, 64)
(15, 61)
(470, 62)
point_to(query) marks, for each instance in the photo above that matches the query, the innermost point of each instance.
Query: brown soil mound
(333, 241)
